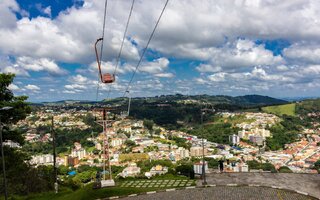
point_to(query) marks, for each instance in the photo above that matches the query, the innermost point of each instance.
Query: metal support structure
(104, 124)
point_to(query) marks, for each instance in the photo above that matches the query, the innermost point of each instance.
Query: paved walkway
(158, 183)
(309, 183)
(225, 193)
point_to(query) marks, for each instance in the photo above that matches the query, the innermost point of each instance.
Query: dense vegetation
(218, 132)
(308, 106)
(264, 166)
(285, 132)
(65, 138)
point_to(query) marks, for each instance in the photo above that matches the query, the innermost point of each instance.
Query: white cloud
(245, 54)
(303, 53)
(7, 17)
(32, 87)
(42, 64)
(13, 87)
(311, 70)
(155, 67)
(218, 77)
(79, 79)
(15, 69)
(208, 68)
(282, 68)
(68, 92)
(47, 11)
(164, 75)
(75, 87)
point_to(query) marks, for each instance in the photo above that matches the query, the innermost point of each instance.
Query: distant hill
(241, 101)
(258, 100)
(247, 100)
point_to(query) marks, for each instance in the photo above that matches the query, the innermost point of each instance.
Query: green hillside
(287, 109)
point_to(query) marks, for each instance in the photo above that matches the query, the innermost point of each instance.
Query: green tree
(149, 125)
(18, 171)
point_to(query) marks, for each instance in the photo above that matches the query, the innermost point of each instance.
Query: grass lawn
(287, 109)
(125, 187)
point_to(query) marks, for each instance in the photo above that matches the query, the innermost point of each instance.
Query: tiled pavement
(158, 183)
(307, 183)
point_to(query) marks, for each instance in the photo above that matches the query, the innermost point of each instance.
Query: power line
(101, 48)
(121, 47)
(145, 49)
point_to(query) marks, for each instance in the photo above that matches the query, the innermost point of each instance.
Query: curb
(207, 186)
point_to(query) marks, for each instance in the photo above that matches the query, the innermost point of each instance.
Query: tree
(14, 159)
(148, 124)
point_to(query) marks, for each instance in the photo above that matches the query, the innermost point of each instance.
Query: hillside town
(130, 141)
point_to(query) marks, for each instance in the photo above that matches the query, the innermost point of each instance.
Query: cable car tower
(106, 122)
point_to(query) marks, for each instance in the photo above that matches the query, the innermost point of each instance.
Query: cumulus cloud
(15, 69)
(13, 87)
(32, 87)
(42, 64)
(69, 92)
(303, 53)
(240, 54)
(208, 68)
(7, 17)
(157, 68)
(79, 79)
(75, 86)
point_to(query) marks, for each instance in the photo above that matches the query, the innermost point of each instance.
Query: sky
(221, 47)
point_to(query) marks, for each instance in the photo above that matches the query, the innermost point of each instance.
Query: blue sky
(233, 47)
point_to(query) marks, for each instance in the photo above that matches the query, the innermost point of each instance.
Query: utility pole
(54, 155)
(129, 103)
(3, 164)
(203, 160)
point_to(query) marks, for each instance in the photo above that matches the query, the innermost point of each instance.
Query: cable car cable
(101, 48)
(145, 49)
(121, 47)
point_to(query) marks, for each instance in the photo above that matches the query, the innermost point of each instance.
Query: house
(197, 167)
(131, 170)
(198, 151)
(158, 169)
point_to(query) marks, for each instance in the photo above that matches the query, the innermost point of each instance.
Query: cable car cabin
(107, 78)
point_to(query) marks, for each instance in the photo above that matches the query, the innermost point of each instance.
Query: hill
(241, 101)
(286, 109)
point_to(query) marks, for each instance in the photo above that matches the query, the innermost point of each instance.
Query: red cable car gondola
(106, 77)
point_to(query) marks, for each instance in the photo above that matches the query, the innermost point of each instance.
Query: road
(224, 193)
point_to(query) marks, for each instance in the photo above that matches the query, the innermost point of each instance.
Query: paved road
(224, 193)
(309, 183)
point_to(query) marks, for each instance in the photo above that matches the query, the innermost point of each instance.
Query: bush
(285, 169)
(186, 170)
